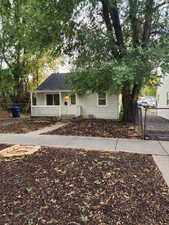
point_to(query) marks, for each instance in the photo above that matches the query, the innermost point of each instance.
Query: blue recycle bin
(16, 111)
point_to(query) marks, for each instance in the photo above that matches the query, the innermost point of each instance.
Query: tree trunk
(129, 109)
(129, 101)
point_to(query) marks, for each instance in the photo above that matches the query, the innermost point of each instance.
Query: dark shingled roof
(55, 81)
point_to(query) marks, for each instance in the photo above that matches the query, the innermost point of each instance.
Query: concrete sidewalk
(158, 149)
(93, 143)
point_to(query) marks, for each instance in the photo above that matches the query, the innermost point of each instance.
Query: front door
(65, 104)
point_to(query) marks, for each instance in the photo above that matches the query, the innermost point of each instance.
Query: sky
(66, 68)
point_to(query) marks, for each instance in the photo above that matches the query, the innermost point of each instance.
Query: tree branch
(160, 5)
(116, 24)
(106, 16)
(109, 26)
(134, 21)
(148, 20)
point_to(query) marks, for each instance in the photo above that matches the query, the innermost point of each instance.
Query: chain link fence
(153, 123)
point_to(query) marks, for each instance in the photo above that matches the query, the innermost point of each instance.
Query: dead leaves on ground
(66, 186)
(99, 128)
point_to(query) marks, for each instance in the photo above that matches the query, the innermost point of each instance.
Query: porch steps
(66, 118)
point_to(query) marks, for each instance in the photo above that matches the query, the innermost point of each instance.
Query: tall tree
(12, 43)
(40, 65)
(124, 57)
(114, 44)
(19, 60)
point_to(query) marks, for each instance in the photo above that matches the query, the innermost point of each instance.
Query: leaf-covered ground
(23, 125)
(76, 187)
(99, 128)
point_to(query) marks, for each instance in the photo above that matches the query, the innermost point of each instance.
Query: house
(163, 97)
(52, 99)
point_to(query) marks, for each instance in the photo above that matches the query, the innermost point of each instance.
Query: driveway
(157, 128)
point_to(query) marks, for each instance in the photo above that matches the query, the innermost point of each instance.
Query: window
(167, 98)
(34, 102)
(52, 99)
(73, 100)
(102, 101)
(56, 99)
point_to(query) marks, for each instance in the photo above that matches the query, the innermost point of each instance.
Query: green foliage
(84, 218)
(28, 189)
(40, 65)
(97, 182)
(98, 68)
(111, 75)
(5, 82)
(149, 91)
(19, 58)
(114, 45)
(30, 221)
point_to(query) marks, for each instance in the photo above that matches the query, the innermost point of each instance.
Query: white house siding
(162, 97)
(86, 106)
(45, 111)
(89, 107)
(69, 110)
(40, 99)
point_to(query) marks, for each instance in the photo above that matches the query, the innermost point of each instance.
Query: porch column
(60, 107)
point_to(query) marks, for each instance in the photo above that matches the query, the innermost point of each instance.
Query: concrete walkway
(47, 129)
(158, 149)
(89, 143)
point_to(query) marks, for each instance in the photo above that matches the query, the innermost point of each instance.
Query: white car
(147, 101)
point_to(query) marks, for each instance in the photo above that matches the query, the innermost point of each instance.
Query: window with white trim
(102, 100)
(73, 99)
(52, 99)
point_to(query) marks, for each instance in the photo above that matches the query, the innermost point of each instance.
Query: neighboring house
(52, 98)
(163, 97)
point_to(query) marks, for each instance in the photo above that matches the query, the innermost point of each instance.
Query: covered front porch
(54, 104)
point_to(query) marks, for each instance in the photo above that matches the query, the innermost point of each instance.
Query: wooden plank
(19, 150)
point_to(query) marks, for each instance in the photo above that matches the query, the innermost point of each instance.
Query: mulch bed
(5, 115)
(75, 187)
(99, 128)
(3, 146)
(8, 116)
(23, 125)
